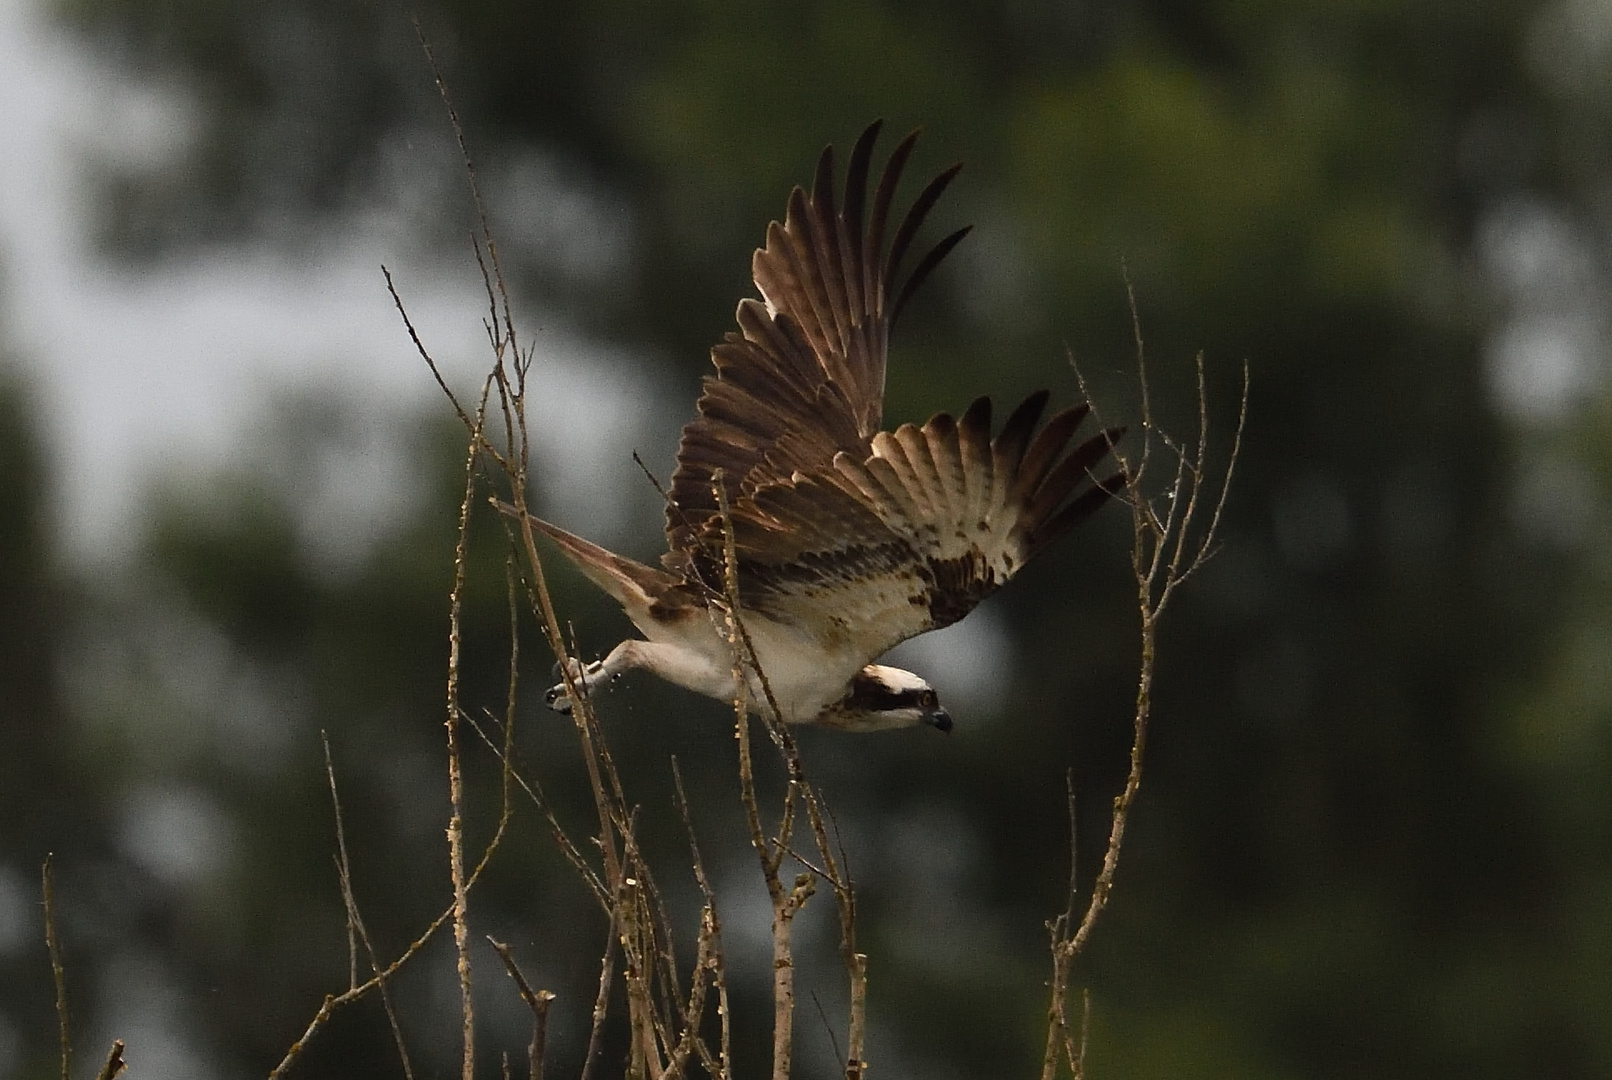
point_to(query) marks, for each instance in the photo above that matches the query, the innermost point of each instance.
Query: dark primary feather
(803, 377)
(914, 535)
(861, 536)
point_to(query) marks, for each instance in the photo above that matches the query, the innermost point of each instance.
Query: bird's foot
(585, 677)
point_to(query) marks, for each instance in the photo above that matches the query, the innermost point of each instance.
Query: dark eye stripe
(874, 696)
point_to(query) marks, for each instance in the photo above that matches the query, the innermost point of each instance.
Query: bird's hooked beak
(939, 719)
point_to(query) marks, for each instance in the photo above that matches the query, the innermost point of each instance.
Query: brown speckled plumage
(848, 536)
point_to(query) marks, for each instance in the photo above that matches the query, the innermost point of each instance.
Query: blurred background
(1375, 837)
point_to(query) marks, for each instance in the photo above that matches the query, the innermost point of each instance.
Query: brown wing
(878, 548)
(803, 377)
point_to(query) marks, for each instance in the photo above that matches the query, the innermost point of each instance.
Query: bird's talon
(557, 699)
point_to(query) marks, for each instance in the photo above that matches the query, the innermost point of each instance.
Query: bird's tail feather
(633, 585)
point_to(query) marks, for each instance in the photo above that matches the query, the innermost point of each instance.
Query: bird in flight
(849, 539)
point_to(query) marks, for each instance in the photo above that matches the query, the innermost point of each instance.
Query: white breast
(804, 678)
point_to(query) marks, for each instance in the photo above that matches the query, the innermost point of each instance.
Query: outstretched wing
(876, 549)
(803, 377)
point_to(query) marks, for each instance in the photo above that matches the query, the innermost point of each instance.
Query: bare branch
(536, 1000)
(114, 1063)
(601, 1001)
(456, 853)
(425, 354)
(355, 922)
(711, 956)
(828, 1029)
(333, 1002)
(1077, 1066)
(1166, 549)
(855, 1065)
(798, 787)
(470, 174)
(508, 755)
(47, 888)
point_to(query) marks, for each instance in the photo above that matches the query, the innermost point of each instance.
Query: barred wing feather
(873, 550)
(802, 379)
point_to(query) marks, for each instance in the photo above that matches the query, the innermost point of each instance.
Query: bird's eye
(927, 699)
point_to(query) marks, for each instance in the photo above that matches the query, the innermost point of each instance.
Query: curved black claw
(557, 699)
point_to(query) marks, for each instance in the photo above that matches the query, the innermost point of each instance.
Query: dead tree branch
(1168, 546)
(53, 946)
(536, 1000)
(355, 922)
(114, 1062)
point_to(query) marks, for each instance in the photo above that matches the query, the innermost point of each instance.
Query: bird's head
(881, 697)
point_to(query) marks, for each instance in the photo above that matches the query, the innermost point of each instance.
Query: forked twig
(114, 1063)
(536, 1000)
(463, 883)
(355, 922)
(664, 1022)
(508, 755)
(508, 380)
(711, 957)
(332, 1002)
(1166, 550)
(786, 903)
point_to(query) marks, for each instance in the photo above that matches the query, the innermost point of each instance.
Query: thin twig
(419, 346)
(506, 774)
(456, 784)
(114, 1063)
(855, 1063)
(332, 1002)
(342, 865)
(463, 884)
(58, 973)
(511, 388)
(326, 1008)
(710, 929)
(828, 1029)
(470, 173)
(691, 566)
(534, 792)
(355, 921)
(536, 1000)
(741, 695)
(1165, 551)
(1057, 1012)
(601, 1001)
(1077, 1067)
(786, 904)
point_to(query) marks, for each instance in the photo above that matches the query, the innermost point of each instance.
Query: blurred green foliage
(1373, 838)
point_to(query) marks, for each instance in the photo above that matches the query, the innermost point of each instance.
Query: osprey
(848, 539)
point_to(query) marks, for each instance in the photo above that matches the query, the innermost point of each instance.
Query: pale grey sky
(142, 373)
